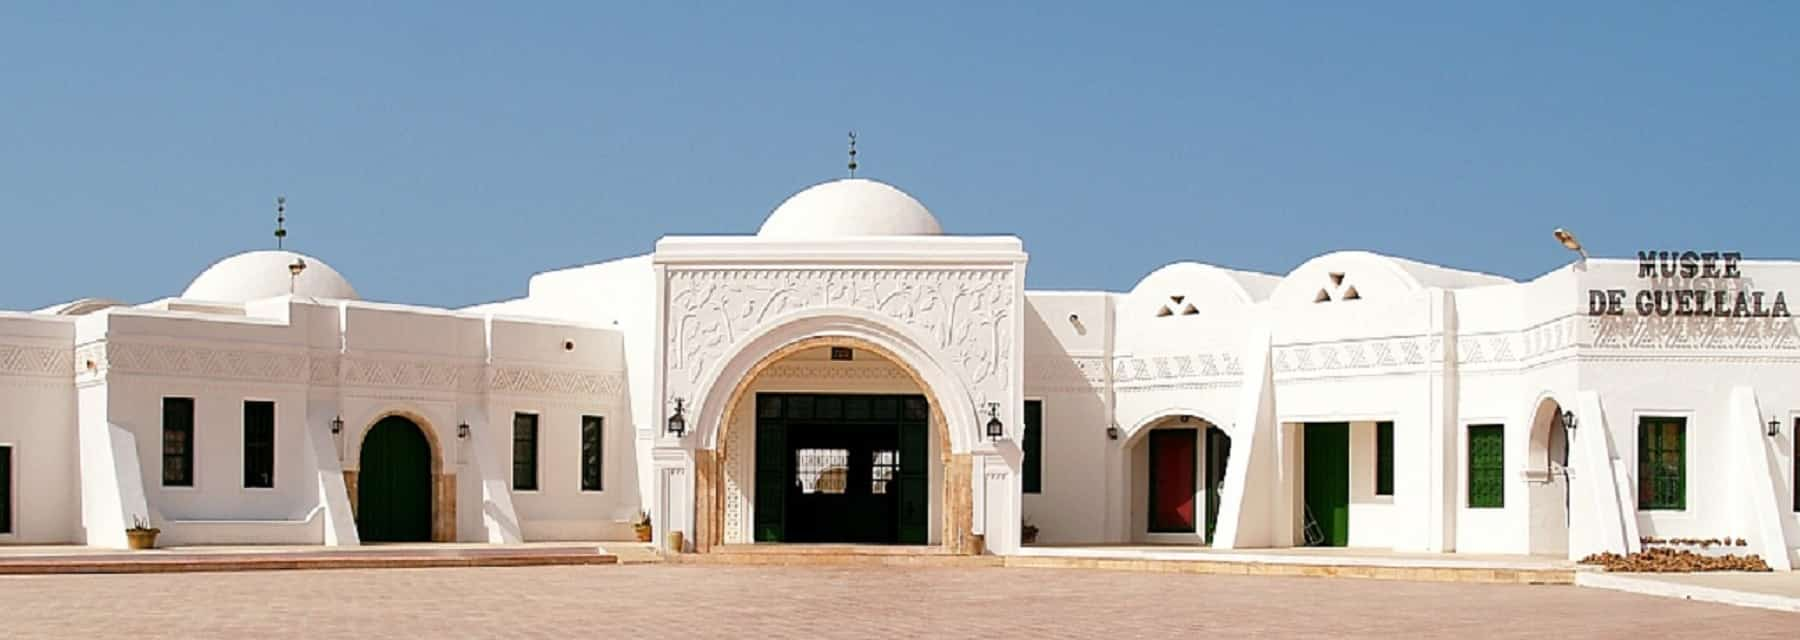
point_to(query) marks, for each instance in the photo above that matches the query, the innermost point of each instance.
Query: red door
(1172, 480)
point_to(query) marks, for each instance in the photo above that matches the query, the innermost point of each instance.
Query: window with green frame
(1487, 466)
(1034, 446)
(1662, 463)
(1384, 458)
(525, 450)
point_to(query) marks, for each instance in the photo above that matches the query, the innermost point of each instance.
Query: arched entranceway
(393, 485)
(802, 428)
(1547, 476)
(1177, 471)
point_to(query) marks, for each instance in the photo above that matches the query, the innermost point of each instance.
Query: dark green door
(841, 468)
(393, 489)
(1327, 452)
(1218, 452)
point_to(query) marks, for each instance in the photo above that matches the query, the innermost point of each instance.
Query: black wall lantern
(1568, 420)
(462, 431)
(337, 425)
(1774, 427)
(677, 423)
(1112, 432)
(995, 430)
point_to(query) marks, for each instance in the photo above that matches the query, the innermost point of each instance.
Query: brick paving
(655, 601)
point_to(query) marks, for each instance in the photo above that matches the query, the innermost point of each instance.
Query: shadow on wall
(1071, 440)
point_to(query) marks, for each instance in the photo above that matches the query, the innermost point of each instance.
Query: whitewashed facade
(1367, 401)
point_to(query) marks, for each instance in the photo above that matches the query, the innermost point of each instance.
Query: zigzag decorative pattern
(25, 360)
(556, 381)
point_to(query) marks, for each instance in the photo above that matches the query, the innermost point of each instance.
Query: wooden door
(1327, 453)
(1172, 480)
(393, 488)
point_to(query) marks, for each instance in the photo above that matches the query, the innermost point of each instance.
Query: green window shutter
(771, 471)
(1384, 458)
(6, 489)
(915, 500)
(592, 452)
(259, 444)
(1487, 466)
(1662, 463)
(178, 442)
(525, 438)
(1034, 446)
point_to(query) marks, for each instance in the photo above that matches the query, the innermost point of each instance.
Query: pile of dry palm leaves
(1661, 560)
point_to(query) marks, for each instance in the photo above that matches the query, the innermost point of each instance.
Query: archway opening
(747, 481)
(832, 443)
(1177, 466)
(1547, 477)
(394, 483)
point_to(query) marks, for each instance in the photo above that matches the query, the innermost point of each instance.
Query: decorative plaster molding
(1384, 353)
(967, 314)
(414, 374)
(571, 382)
(1176, 367)
(1688, 334)
(202, 362)
(30, 360)
(835, 371)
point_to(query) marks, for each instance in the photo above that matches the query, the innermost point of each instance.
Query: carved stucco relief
(966, 315)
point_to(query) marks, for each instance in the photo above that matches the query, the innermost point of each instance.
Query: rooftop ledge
(898, 250)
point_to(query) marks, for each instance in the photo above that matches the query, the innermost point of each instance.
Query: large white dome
(850, 207)
(264, 274)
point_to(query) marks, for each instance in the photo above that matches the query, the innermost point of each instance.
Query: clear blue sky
(440, 153)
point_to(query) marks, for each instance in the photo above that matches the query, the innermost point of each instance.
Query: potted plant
(141, 535)
(1028, 533)
(641, 526)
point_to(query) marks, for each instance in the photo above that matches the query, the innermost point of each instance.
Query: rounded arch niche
(952, 413)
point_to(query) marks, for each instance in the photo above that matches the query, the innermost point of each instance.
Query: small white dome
(264, 274)
(850, 207)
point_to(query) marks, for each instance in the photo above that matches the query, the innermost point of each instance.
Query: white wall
(37, 420)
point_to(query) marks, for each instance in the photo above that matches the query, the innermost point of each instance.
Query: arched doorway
(884, 422)
(1177, 472)
(393, 488)
(1548, 476)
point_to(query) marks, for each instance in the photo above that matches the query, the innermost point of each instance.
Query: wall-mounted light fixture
(677, 423)
(462, 431)
(1774, 428)
(995, 430)
(1112, 431)
(1568, 421)
(337, 425)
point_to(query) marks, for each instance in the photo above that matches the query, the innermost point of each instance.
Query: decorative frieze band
(36, 361)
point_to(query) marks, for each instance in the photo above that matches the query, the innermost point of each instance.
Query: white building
(838, 376)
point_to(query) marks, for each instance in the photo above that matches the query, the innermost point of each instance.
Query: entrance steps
(78, 560)
(826, 555)
(1308, 562)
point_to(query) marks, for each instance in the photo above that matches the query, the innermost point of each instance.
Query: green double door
(1327, 481)
(393, 487)
(841, 468)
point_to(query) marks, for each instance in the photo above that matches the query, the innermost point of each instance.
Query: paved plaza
(645, 601)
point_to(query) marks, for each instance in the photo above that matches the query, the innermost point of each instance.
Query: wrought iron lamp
(337, 425)
(1568, 420)
(1774, 427)
(462, 431)
(677, 423)
(1112, 431)
(995, 430)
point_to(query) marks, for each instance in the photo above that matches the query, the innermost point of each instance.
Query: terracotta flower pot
(141, 538)
(643, 533)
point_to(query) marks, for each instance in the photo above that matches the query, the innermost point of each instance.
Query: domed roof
(264, 274)
(850, 207)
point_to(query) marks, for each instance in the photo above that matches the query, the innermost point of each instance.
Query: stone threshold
(155, 561)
